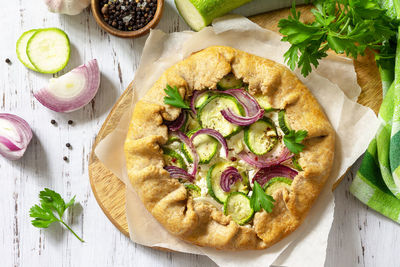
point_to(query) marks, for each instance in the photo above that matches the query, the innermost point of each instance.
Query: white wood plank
(359, 237)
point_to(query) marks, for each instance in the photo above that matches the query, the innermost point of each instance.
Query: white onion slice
(73, 90)
(15, 136)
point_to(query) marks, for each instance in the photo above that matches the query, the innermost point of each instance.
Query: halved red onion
(178, 123)
(253, 110)
(15, 136)
(266, 174)
(190, 145)
(215, 134)
(229, 177)
(265, 162)
(179, 173)
(195, 95)
(72, 90)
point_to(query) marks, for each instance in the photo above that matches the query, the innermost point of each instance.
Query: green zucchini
(191, 123)
(296, 164)
(209, 114)
(276, 183)
(283, 124)
(214, 180)
(263, 101)
(193, 189)
(21, 49)
(200, 13)
(172, 158)
(206, 147)
(261, 136)
(237, 205)
(229, 81)
(49, 50)
(202, 99)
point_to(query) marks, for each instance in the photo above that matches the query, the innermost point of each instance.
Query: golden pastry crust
(201, 223)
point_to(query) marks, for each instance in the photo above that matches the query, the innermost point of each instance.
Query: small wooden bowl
(127, 34)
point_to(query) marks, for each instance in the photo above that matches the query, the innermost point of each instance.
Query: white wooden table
(359, 236)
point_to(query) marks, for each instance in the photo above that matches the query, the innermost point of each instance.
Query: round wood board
(109, 191)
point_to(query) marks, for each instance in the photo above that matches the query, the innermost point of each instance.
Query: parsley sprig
(51, 205)
(259, 199)
(293, 140)
(174, 98)
(345, 26)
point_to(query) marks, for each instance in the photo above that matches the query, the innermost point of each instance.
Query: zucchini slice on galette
(229, 150)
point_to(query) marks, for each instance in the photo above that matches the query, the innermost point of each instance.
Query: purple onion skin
(179, 173)
(266, 174)
(229, 177)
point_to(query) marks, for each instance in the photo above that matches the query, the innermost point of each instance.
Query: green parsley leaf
(259, 199)
(50, 202)
(345, 26)
(293, 140)
(174, 98)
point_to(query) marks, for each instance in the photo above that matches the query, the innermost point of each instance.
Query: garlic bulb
(69, 7)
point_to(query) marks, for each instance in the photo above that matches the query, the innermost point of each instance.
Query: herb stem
(72, 231)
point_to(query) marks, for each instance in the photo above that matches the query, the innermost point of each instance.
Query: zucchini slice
(261, 136)
(229, 81)
(296, 164)
(172, 158)
(214, 181)
(202, 99)
(191, 123)
(21, 49)
(238, 206)
(276, 183)
(283, 124)
(210, 116)
(263, 101)
(48, 50)
(193, 189)
(206, 147)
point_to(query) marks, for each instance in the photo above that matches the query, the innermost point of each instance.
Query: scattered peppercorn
(68, 145)
(8, 61)
(53, 122)
(65, 158)
(128, 15)
(70, 122)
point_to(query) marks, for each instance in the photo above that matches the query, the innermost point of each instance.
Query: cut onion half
(179, 173)
(265, 162)
(15, 136)
(266, 174)
(229, 177)
(73, 90)
(253, 110)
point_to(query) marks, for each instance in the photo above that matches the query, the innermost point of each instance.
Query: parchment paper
(335, 87)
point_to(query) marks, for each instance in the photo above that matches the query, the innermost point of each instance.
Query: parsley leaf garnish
(174, 98)
(51, 205)
(345, 26)
(293, 140)
(259, 199)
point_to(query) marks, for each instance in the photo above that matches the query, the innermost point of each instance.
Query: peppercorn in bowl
(127, 18)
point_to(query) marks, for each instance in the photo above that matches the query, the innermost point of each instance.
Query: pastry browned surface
(201, 223)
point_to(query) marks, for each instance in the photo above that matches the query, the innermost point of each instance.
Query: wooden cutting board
(109, 191)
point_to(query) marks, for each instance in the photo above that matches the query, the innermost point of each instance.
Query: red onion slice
(266, 174)
(216, 135)
(265, 162)
(73, 90)
(15, 136)
(178, 123)
(190, 145)
(179, 173)
(229, 177)
(195, 95)
(253, 110)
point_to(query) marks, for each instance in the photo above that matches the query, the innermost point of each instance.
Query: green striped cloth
(377, 183)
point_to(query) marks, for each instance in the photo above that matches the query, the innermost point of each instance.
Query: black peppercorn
(53, 122)
(65, 158)
(68, 145)
(8, 61)
(70, 122)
